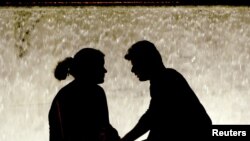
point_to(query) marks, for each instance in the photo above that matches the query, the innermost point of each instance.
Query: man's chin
(142, 79)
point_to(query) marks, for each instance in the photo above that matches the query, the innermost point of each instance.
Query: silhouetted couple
(79, 112)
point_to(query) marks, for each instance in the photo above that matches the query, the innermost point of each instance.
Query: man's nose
(133, 69)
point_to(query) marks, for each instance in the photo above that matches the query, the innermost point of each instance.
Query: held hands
(109, 134)
(125, 138)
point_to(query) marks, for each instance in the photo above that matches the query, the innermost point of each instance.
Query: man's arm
(141, 128)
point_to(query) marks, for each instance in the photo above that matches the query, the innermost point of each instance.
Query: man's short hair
(144, 50)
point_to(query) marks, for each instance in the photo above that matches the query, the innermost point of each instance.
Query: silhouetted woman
(79, 111)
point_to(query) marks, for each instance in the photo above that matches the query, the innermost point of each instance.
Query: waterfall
(208, 45)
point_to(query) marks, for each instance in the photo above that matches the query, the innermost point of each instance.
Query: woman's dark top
(79, 112)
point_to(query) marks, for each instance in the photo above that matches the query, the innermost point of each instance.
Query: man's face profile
(139, 68)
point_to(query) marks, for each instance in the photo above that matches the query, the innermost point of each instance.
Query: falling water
(208, 45)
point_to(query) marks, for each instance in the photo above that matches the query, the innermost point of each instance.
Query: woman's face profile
(95, 72)
(99, 72)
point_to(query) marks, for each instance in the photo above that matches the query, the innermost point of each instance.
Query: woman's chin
(100, 81)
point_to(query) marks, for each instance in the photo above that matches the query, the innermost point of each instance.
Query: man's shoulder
(172, 72)
(166, 76)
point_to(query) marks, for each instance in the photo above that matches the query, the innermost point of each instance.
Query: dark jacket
(174, 110)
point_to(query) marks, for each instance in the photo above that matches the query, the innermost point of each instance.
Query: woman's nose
(105, 70)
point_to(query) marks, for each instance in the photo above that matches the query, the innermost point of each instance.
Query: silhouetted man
(174, 110)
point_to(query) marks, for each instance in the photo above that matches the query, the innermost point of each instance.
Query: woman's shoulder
(75, 89)
(99, 89)
(64, 90)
